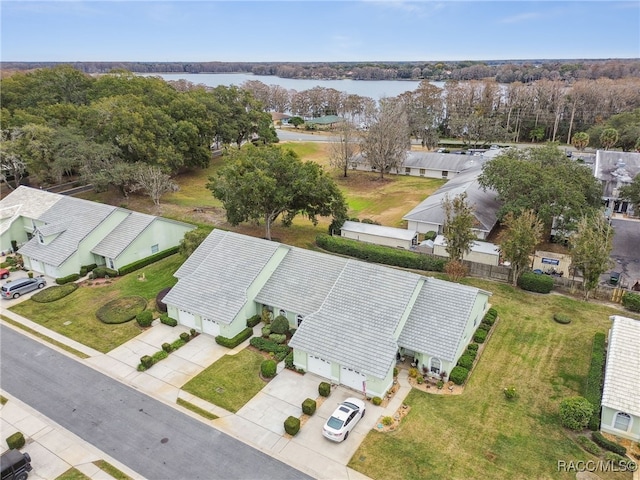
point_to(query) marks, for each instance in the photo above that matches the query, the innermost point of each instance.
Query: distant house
(424, 164)
(56, 234)
(379, 235)
(620, 414)
(326, 120)
(480, 252)
(614, 170)
(352, 318)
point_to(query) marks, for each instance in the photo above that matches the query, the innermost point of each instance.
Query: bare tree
(154, 182)
(386, 142)
(344, 146)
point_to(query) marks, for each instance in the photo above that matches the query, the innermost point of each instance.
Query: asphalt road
(155, 440)
(626, 249)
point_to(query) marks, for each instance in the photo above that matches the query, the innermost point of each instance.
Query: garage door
(51, 270)
(351, 378)
(319, 366)
(187, 319)
(37, 266)
(210, 327)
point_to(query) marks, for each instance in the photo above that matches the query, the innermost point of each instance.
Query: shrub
(324, 389)
(193, 332)
(534, 282)
(159, 355)
(292, 425)
(167, 320)
(132, 267)
(54, 293)
(510, 393)
(288, 361)
(588, 445)
(16, 440)
(380, 254)
(561, 318)
(185, 337)
(484, 326)
(235, 341)
(420, 380)
(280, 325)
(395, 371)
(102, 272)
(268, 368)
(413, 372)
(266, 331)
(84, 269)
(387, 421)
(376, 400)
(439, 384)
(167, 347)
(160, 305)
(262, 344)
(593, 388)
(176, 344)
(275, 337)
(618, 460)
(608, 444)
(459, 375)
(146, 361)
(470, 353)
(430, 235)
(575, 412)
(309, 406)
(145, 318)
(466, 361)
(121, 310)
(480, 336)
(490, 317)
(493, 312)
(631, 301)
(68, 279)
(473, 347)
(253, 321)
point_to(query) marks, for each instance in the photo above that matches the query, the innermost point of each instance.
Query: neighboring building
(352, 317)
(57, 234)
(614, 170)
(621, 392)
(549, 262)
(380, 235)
(481, 252)
(326, 120)
(425, 164)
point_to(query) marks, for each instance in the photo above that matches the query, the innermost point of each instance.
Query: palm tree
(609, 137)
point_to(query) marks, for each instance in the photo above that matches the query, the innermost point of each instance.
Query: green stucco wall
(607, 418)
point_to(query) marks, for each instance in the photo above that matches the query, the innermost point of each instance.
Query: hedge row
(167, 320)
(534, 282)
(235, 341)
(68, 279)
(148, 361)
(379, 254)
(102, 272)
(54, 293)
(279, 351)
(593, 388)
(84, 269)
(608, 444)
(253, 321)
(459, 375)
(631, 301)
(132, 267)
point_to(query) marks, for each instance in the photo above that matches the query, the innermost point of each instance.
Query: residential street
(150, 437)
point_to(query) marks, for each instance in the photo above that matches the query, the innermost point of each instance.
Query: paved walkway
(308, 451)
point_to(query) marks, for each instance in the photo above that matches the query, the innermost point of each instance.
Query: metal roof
(121, 237)
(25, 202)
(378, 230)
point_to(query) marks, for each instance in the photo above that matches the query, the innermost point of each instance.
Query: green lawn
(73, 474)
(230, 382)
(79, 308)
(480, 434)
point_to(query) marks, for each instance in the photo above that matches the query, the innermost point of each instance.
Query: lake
(375, 89)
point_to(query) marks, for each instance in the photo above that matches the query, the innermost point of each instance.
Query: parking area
(626, 251)
(13, 276)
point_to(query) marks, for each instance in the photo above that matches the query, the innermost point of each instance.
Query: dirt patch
(96, 282)
(396, 418)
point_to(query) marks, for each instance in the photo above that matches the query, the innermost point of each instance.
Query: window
(110, 260)
(445, 173)
(154, 248)
(40, 238)
(622, 421)
(298, 319)
(422, 172)
(407, 170)
(435, 365)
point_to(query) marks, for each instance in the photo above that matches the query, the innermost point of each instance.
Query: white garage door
(319, 366)
(351, 378)
(51, 270)
(210, 327)
(187, 319)
(37, 266)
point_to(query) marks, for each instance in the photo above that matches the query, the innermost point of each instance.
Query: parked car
(343, 419)
(4, 273)
(15, 465)
(19, 287)
(614, 278)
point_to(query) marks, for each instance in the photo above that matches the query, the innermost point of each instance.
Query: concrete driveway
(626, 251)
(9, 302)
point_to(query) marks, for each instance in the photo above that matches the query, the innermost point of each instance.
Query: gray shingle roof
(356, 324)
(379, 230)
(26, 202)
(437, 321)
(75, 218)
(438, 161)
(112, 245)
(217, 287)
(622, 372)
(200, 254)
(302, 281)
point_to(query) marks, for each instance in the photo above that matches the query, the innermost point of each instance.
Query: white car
(343, 419)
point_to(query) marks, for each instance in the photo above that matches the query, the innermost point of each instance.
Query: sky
(328, 30)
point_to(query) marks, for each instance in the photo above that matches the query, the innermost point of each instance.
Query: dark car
(15, 465)
(614, 278)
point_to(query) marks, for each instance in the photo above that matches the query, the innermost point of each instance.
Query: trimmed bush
(54, 293)
(235, 341)
(459, 375)
(275, 337)
(619, 460)
(144, 319)
(608, 444)
(146, 361)
(264, 345)
(102, 272)
(167, 320)
(376, 401)
(430, 235)
(309, 406)
(631, 301)
(379, 254)
(480, 336)
(575, 412)
(16, 440)
(159, 355)
(160, 305)
(167, 347)
(268, 368)
(253, 321)
(121, 310)
(280, 325)
(470, 353)
(490, 317)
(68, 279)
(324, 389)
(185, 337)
(533, 282)
(473, 346)
(266, 331)
(484, 326)
(137, 265)
(288, 361)
(588, 445)
(466, 361)
(176, 344)
(387, 421)
(84, 269)
(595, 378)
(561, 318)
(292, 425)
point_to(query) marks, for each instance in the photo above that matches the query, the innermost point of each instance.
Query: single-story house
(620, 414)
(326, 120)
(481, 252)
(379, 234)
(57, 234)
(429, 215)
(352, 318)
(424, 164)
(614, 170)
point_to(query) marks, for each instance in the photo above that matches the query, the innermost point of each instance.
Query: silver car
(343, 419)
(19, 287)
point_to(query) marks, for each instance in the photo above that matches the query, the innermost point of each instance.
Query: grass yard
(480, 434)
(79, 308)
(73, 474)
(230, 382)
